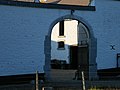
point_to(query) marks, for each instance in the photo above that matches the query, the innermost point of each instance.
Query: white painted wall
(69, 38)
(22, 35)
(23, 30)
(105, 24)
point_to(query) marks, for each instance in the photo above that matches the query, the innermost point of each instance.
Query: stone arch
(92, 46)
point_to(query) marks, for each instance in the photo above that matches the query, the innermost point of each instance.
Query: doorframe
(92, 47)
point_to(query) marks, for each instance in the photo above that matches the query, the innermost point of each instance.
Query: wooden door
(83, 60)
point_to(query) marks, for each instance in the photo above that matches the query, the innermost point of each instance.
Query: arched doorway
(82, 55)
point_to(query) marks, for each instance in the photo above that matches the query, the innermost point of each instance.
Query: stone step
(62, 75)
(68, 84)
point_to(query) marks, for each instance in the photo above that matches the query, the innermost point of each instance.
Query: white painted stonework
(70, 38)
(23, 31)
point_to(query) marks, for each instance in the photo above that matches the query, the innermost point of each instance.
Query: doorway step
(62, 75)
(64, 85)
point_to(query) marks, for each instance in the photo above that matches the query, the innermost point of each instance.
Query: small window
(61, 28)
(61, 45)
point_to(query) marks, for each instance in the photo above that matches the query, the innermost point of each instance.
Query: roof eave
(48, 5)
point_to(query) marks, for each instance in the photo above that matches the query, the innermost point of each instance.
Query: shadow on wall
(59, 55)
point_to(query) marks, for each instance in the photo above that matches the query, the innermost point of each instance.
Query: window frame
(61, 28)
(61, 45)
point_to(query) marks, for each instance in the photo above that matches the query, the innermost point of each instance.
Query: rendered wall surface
(105, 24)
(23, 31)
(69, 38)
(22, 35)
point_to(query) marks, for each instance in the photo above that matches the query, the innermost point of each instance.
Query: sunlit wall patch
(72, 2)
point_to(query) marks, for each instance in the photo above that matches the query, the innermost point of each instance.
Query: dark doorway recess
(73, 57)
(83, 60)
